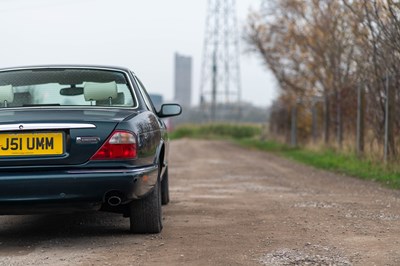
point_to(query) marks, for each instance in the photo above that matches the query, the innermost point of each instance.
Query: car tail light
(120, 146)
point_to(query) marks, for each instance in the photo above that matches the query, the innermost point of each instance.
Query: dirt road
(230, 206)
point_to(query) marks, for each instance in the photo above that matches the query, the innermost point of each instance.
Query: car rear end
(68, 140)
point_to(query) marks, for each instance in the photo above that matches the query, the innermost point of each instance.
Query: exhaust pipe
(114, 201)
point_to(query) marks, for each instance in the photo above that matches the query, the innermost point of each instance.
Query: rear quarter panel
(150, 136)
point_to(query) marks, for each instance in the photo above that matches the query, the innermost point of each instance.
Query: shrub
(236, 131)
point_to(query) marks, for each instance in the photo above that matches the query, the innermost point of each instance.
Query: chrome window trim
(38, 126)
(145, 95)
(126, 73)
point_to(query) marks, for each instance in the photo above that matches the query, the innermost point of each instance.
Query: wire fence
(351, 120)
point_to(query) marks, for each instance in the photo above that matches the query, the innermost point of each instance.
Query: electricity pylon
(220, 71)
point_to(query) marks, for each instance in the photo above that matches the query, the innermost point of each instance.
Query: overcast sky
(140, 34)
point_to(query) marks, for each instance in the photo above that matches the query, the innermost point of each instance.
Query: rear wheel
(146, 213)
(165, 188)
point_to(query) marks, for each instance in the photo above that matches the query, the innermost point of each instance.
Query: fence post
(314, 119)
(326, 119)
(293, 139)
(360, 121)
(386, 140)
(339, 122)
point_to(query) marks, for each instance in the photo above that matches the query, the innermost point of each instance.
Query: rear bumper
(75, 189)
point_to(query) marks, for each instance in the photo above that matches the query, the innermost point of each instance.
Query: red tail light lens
(120, 146)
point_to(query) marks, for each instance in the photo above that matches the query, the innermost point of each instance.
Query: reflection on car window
(65, 87)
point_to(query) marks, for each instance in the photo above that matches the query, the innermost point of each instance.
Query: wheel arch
(160, 158)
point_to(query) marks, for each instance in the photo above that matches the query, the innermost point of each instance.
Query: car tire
(165, 188)
(146, 214)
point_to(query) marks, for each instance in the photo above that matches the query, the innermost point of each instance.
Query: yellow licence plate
(28, 144)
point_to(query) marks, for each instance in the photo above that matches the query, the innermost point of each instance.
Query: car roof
(103, 67)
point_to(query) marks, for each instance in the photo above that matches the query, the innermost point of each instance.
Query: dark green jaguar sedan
(82, 138)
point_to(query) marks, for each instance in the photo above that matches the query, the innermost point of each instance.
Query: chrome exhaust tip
(114, 201)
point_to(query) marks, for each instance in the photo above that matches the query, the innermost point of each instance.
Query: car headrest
(6, 94)
(96, 91)
(120, 100)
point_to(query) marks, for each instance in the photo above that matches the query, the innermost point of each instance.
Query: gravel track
(229, 206)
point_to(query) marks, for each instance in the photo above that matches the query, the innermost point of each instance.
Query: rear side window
(65, 87)
(146, 97)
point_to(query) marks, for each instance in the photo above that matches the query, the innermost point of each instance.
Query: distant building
(183, 79)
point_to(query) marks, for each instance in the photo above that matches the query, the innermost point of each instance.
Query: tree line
(337, 64)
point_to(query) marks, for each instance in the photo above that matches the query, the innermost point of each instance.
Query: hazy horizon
(134, 34)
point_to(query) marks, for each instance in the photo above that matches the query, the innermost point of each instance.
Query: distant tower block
(220, 71)
(183, 79)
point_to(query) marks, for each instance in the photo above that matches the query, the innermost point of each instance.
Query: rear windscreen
(65, 87)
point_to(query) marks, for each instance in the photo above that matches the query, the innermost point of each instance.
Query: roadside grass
(328, 159)
(331, 160)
